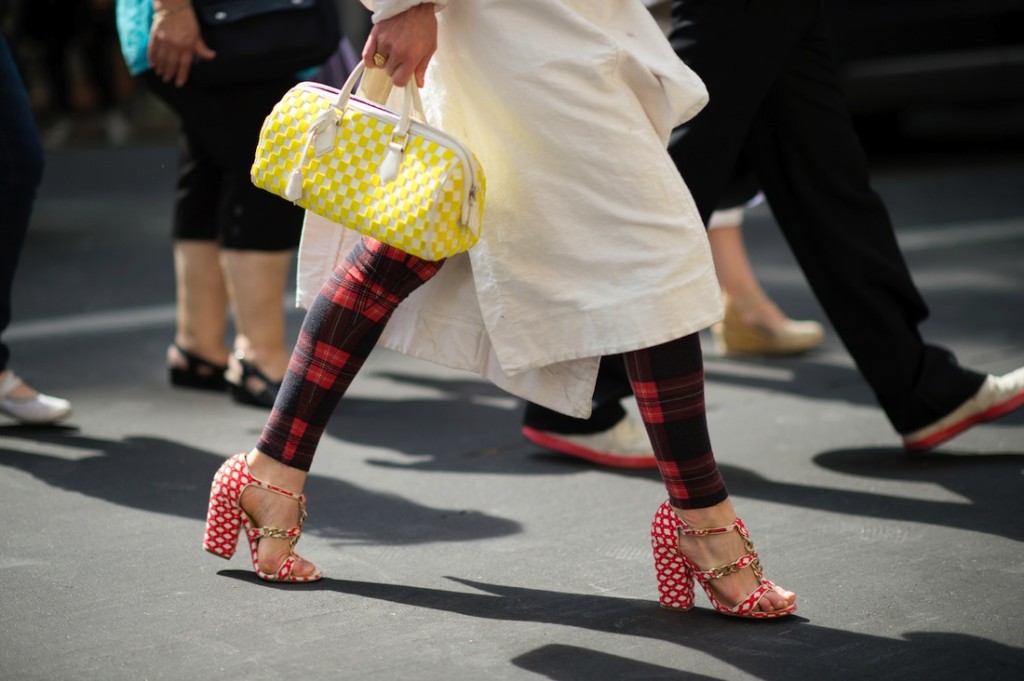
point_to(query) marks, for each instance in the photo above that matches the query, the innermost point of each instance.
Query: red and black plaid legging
(345, 322)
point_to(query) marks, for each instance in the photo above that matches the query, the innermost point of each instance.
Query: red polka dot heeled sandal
(676, 573)
(225, 520)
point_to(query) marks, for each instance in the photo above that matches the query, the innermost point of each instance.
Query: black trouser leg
(612, 385)
(21, 171)
(792, 124)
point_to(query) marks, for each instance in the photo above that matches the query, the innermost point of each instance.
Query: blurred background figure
(233, 243)
(78, 80)
(21, 171)
(753, 323)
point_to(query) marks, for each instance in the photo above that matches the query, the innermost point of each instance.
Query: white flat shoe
(38, 410)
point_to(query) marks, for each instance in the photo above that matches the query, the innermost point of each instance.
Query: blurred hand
(407, 40)
(174, 43)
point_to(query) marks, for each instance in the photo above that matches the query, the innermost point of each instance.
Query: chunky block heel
(675, 580)
(224, 516)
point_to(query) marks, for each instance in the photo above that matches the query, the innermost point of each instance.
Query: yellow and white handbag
(372, 169)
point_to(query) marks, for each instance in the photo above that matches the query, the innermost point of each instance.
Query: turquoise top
(134, 18)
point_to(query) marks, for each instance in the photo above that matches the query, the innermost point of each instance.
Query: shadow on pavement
(803, 377)
(990, 482)
(166, 477)
(572, 663)
(774, 650)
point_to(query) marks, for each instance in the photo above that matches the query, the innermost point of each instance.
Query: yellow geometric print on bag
(372, 169)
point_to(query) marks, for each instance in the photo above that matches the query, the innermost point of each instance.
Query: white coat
(591, 244)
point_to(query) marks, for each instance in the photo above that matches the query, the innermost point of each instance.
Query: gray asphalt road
(455, 550)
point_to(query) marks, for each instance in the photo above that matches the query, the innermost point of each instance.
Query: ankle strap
(301, 498)
(704, 531)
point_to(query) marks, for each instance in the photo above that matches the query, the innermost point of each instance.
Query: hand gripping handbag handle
(321, 137)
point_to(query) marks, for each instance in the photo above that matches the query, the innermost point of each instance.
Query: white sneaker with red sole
(998, 396)
(625, 445)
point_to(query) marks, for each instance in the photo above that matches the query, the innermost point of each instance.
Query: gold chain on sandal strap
(277, 533)
(274, 533)
(755, 565)
(722, 571)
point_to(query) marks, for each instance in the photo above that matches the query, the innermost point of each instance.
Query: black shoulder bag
(263, 39)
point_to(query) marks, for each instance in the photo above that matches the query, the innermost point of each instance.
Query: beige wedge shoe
(734, 335)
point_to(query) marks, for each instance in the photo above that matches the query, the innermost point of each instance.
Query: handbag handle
(321, 142)
(375, 86)
(409, 102)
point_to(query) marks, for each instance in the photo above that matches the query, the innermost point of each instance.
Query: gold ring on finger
(379, 59)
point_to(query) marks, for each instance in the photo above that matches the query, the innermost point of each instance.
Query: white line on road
(960, 234)
(910, 239)
(93, 322)
(114, 321)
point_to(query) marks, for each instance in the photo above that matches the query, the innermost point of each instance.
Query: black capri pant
(215, 199)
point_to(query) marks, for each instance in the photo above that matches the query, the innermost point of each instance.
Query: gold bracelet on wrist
(164, 11)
